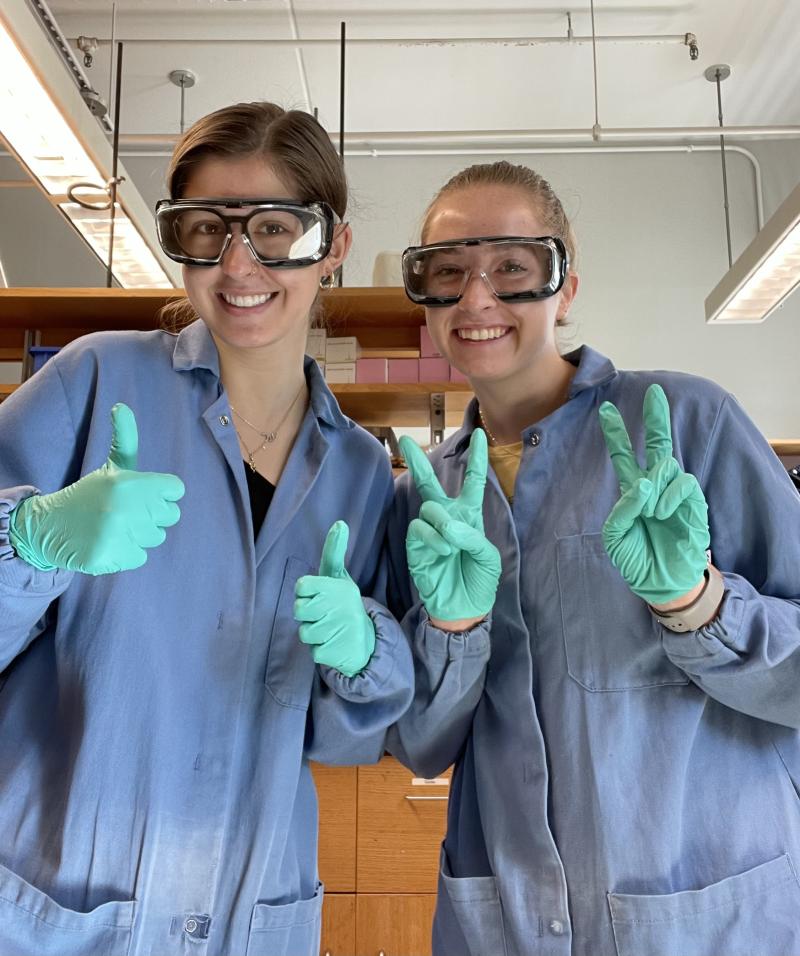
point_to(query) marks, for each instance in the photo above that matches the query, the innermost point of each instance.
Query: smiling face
(245, 304)
(483, 337)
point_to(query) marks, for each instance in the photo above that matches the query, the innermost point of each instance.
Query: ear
(342, 240)
(566, 296)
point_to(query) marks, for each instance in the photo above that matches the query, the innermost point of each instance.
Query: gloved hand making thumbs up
(331, 612)
(104, 521)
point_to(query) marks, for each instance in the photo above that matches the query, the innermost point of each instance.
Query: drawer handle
(423, 798)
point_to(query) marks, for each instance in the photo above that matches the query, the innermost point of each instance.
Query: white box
(315, 343)
(342, 349)
(340, 372)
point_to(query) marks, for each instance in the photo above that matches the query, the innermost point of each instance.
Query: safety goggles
(280, 233)
(515, 268)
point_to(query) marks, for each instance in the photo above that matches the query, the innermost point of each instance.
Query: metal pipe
(466, 140)
(718, 78)
(405, 41)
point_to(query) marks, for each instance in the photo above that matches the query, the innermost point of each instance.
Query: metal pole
(342, 37)
(117, 97)
(716, 74)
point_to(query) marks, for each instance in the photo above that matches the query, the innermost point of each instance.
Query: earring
(326, 281)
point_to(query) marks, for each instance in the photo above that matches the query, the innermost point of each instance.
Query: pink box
(434, 370)
(456, 376)
(403, 370)
(426, 347)
(371, 370)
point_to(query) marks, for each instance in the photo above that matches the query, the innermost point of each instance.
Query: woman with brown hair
(158, 707)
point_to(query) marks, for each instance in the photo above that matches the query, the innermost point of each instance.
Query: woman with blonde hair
(606, 631)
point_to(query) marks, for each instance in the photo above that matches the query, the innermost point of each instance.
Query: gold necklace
(489, 435)
(267, 437)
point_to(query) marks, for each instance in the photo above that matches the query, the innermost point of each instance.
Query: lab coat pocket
(475, 902)
(290, 666)
(612, 641)
(288, 929)
(752, 914)
(33, 924)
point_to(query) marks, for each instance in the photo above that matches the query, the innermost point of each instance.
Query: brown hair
(293, 143)
(503, 173)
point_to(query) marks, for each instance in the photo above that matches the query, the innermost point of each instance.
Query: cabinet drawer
(401, 822)
(338, 925)
(336, 793)
(394, 925)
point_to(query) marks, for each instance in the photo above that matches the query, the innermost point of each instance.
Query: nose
(237, 260)
(478, 293)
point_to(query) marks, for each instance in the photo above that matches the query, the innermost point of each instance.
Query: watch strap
(702, 610)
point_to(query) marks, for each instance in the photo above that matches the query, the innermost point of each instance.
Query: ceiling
(403, 88)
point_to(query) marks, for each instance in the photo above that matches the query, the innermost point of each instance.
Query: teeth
(478, 335)
(246, 301)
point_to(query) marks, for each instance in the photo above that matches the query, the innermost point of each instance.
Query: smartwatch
(701, 611)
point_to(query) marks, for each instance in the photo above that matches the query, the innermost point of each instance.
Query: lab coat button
(556, 927)
(197, 926)
(535, 439)
(224, 420)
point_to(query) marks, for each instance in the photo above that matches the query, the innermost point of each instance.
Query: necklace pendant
(251, 461)
(270, 436)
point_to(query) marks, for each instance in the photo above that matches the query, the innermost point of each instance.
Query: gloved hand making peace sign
(330, 611)
(455, 568)
(657, 533)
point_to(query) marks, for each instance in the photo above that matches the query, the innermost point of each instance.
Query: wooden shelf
(401, 405)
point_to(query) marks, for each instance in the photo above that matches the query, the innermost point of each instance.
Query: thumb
(332, 563)
(125, 438)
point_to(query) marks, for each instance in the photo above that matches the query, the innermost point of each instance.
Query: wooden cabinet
(394, 925)
(338, 925)
(401, 823)
(379, 834)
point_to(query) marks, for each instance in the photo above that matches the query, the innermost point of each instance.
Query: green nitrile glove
(455, 567)
(330, 611)
(104, 521)
(657, 533)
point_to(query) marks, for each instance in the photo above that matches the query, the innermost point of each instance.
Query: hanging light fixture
(45, 139)
(769, 268)
(764, 274)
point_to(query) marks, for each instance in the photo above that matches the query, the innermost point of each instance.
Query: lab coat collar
(593, 370)
(195, 348)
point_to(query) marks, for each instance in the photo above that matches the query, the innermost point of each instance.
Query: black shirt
(261, 492)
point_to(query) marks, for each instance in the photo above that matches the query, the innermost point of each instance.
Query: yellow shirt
(505, 460)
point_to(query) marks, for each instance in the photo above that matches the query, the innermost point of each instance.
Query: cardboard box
(434, 370)
(315, 343)
(341, 373)
(342, 349)
(403, 370)
(371, 370)
(426, 347)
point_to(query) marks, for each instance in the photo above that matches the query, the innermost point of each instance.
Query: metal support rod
(115, 160)
(716, 74)
(111, 57)
(594, 67)
(183, 108)
(342, 35)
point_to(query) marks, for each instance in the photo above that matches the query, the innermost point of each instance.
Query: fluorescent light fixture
(38, 133)
(764, 274)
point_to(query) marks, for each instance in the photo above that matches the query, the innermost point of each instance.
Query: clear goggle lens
(515, 268)
(277, 234)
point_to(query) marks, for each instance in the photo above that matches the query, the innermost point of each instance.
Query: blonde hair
(293, 143)
(503, 173)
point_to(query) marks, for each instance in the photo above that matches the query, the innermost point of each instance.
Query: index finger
(619, 446)
(657, 428)
(477, 467)
(422, 473)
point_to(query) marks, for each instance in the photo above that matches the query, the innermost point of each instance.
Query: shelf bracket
(437, 417)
